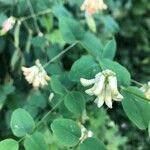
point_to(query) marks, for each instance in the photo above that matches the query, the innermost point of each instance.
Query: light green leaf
(92, 44)
(9, 144)
(21, 122)
(85, 67)
(110, 49)
(35, 141)
(70, 29)
(136, 107)
(66, 131)
(75, 103)
(91, 143)
(110, 23)
(57, 87)
(123, 76)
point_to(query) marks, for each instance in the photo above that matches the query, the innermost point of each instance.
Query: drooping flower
(92, 6)
(105, 88)
(146, 90)
(36, 75)
(8, 25)
(85, 133)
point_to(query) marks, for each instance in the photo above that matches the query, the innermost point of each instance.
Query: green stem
(47, 114)
(43, 119)
(136, 82)
(35, 15)
(60, 54)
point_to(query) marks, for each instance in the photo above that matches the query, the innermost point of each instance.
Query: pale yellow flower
(92, 6)
(8, 25)
(105, 88)
(36, 75)
(146, 90)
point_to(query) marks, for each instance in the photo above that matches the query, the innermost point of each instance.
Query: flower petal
(86, 82)
(108, 97)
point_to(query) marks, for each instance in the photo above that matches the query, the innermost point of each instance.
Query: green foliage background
(125, 22)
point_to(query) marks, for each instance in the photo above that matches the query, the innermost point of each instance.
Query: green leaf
(66, 131)
(57, 86)
(60, 11)
(9, 144)
(89, 143)
(75, 103)
(110, 49)
(70, 29)
(85, 67)
(123, 76)
(136, 107)
(35, 141)
(37, 99)
(110, 23)
(21, 122)
(92, 44)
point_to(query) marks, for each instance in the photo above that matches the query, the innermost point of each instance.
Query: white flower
(92, 6)
(85, 133)
(36, 75)
(51, 96)
(105, 88)
(146, 90)
(8, 25)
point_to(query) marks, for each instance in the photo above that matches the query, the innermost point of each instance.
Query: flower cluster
(146, 90)
(105, 88)
(8, 25)
(92, 6)
(36, 75)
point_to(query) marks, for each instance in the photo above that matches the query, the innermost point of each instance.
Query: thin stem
(136, 82)
(35, 15)
(47, 114)
(60, 54)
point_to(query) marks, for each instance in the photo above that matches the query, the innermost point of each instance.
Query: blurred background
(39, 37)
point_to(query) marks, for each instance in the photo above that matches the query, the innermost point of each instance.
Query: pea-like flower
(8, 25)
(92, 6)
(36, 75)
(146, 90)
(104, 88)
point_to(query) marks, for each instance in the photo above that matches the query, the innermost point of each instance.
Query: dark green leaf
(66, 131)
(75, 103)
(85, 67)
(136, 107)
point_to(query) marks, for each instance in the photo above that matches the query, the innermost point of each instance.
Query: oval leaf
(136, 107)
(89, 143)
(9, 144)
(66, 131)
(21, 122)
(85, 67)
(110, 49)
(75, 103)
(35, 142)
